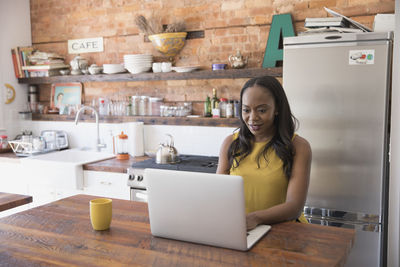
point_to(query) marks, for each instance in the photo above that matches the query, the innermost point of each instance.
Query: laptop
(197, 207)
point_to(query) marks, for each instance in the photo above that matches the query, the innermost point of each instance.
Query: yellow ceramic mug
(100, 213)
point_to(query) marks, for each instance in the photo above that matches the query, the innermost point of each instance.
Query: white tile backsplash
(194, 140)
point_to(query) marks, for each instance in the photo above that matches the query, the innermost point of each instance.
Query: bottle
(207, 107)
(214, 104)
(236, 107)
(222, 107)
(103, 107)
(229, 109)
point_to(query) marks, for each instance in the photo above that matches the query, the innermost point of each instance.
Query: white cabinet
(13, 180)
(106, 184)
(12, 177)
(43, 194)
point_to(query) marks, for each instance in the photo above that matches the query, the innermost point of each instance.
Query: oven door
(138, 194)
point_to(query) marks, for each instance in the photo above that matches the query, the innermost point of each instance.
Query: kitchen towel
(136, 143)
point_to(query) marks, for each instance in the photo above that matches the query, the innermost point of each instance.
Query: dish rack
(25, 149)
(53, 140)
(21, 148)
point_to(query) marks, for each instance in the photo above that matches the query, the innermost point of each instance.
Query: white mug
(156, 67)
(166, 66)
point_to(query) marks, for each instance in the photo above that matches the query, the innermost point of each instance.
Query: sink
(63, 169)
(76, 156)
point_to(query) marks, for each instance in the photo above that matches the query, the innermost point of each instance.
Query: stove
(137, 182)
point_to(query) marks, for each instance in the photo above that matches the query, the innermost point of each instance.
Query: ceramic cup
(166, 66)
(156, 67)
(100, 213)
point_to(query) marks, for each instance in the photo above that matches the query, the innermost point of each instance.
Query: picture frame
(63, 94)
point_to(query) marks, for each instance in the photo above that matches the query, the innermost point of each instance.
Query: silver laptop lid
(197, 207)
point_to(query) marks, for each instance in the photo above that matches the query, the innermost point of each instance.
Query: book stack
(29, 63)
(325, 22)
(20, 59)
(338, 24)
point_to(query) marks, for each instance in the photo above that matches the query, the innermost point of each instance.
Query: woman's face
(258, 112)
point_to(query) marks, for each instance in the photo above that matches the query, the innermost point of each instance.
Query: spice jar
(122, 146)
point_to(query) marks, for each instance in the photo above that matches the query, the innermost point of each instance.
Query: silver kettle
(167, 153)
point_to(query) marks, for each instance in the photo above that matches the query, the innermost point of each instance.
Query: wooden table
(60, 234)
(9, 201)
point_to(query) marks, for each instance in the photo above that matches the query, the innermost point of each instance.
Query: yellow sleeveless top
(264, 186)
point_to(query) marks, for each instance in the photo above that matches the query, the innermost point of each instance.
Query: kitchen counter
(9, 155)
(113, 165)
(60, 233)
(108, 165)
(9, 201)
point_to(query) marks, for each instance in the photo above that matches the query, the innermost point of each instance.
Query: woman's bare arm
(223, 162)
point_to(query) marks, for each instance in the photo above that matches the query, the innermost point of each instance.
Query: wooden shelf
(149, 76)
(148, 120)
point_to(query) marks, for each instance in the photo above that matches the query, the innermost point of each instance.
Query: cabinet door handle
(105, 183)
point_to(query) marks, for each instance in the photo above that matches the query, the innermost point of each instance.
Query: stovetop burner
(186, 163)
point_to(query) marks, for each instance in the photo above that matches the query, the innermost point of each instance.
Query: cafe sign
(87, 45)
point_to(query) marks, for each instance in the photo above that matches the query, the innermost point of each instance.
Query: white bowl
(136, 70)
(113, 68)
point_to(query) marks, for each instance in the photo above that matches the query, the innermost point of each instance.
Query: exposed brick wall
(228, 25)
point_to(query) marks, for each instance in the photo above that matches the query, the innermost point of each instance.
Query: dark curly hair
(285, 124)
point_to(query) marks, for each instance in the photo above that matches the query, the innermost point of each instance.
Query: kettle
(237, 62)
(167, 153)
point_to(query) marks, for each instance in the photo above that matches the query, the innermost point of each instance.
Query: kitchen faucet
(99, 146)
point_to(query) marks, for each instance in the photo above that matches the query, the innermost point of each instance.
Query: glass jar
(3, 141)
(122, 146)
(143, 105)
(163, 111)
(222, 107)
(188, 109)
(135, 99)
(155, 104)
(229, 109)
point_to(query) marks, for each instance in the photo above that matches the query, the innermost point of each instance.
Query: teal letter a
(281, 26)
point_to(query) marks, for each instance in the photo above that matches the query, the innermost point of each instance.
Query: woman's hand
(252, 220)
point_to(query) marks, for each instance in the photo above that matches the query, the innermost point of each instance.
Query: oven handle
(138, 194)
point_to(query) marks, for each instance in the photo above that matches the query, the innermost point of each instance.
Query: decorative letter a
(281, 26)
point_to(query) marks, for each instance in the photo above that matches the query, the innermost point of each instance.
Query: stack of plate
(138, 63)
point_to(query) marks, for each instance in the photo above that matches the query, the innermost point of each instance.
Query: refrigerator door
(365, 251)
(343, 113)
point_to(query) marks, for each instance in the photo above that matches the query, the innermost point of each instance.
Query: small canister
(3, 141)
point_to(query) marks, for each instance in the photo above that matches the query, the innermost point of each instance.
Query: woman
(273, 161)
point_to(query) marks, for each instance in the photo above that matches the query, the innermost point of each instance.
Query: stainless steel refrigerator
(338, 86)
